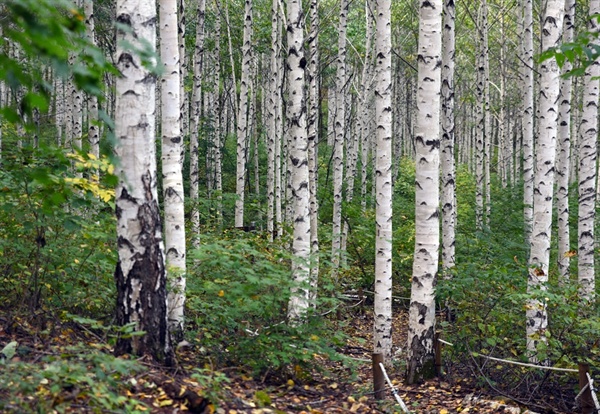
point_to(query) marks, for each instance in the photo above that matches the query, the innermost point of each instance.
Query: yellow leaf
(333, 386)
(443, 411)
(221, 293)
(165, 403)
(290, 382)
(314, 338)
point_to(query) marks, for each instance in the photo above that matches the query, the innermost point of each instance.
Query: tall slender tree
(421, 319)
(313, 140)
(140, 271)
(298, 161)
(527, 121)
(564, 151)
(195, 121)
(272, 118)
(338, 144)
(382, 327)
(93, 130)
(242, 125)
(172, 178)
(448, 174)
(588, 135)
(539, 258)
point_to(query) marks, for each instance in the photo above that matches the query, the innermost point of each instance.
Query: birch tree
(527, 122)
(537, 317)
(242, 125)
(172, 178)
(140, 272)
(93, 132)
(298, 161)
(195, 120)
(313, 140)
(338, 144)
(272, 118)
(564, 151)
(588, 135)
(382, 327)
(448, 174)
(421, 319)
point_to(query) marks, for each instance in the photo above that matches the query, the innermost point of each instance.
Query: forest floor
(333, 389)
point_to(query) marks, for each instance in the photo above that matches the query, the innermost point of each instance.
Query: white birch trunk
(298, 161)
(527, 123)
(242, 124)
(448, 175)
(195, 123)
(382, 325)
(338, 144)
(59, 108)
(93, 131)
(421, 319)
(480, 142)
(313, 140)
(272, 119)
(216, 115)
(564, 153)
(278, 139)
(539, 259)
(171, 166)
(184, 108)
(588, 135)
(140, 272)
(487, 113)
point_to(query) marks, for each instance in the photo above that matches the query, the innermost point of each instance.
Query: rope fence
(586, 383)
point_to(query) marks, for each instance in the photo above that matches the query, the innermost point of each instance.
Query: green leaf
(9, 350)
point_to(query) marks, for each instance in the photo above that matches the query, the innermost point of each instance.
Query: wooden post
(437, 352)
(378, 378)
(585, 401)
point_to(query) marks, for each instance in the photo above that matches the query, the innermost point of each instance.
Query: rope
(394, 391)
(475, 354)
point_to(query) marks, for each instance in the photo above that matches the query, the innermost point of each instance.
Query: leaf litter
(333, 388)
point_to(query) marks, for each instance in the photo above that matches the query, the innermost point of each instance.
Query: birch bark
(242, 125)
(537, 316)
(588, 135)
(172, 178)
(272, 119)
(527, 122)
(421, 322)
(313, 140)
(564, 152)
(195, 121)
(93, 132)
(448, 174)
(140, 271)
(338, 144)
(382, 326)
(298, 161)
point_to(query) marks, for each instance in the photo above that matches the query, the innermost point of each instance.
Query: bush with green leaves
(487, 297)
(237, 295)
(56, 231)
(80, 377)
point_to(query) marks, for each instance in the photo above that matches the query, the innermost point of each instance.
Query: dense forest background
(58, 173)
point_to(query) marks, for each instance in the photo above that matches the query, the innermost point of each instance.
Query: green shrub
(237, 295)
(80, 376)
